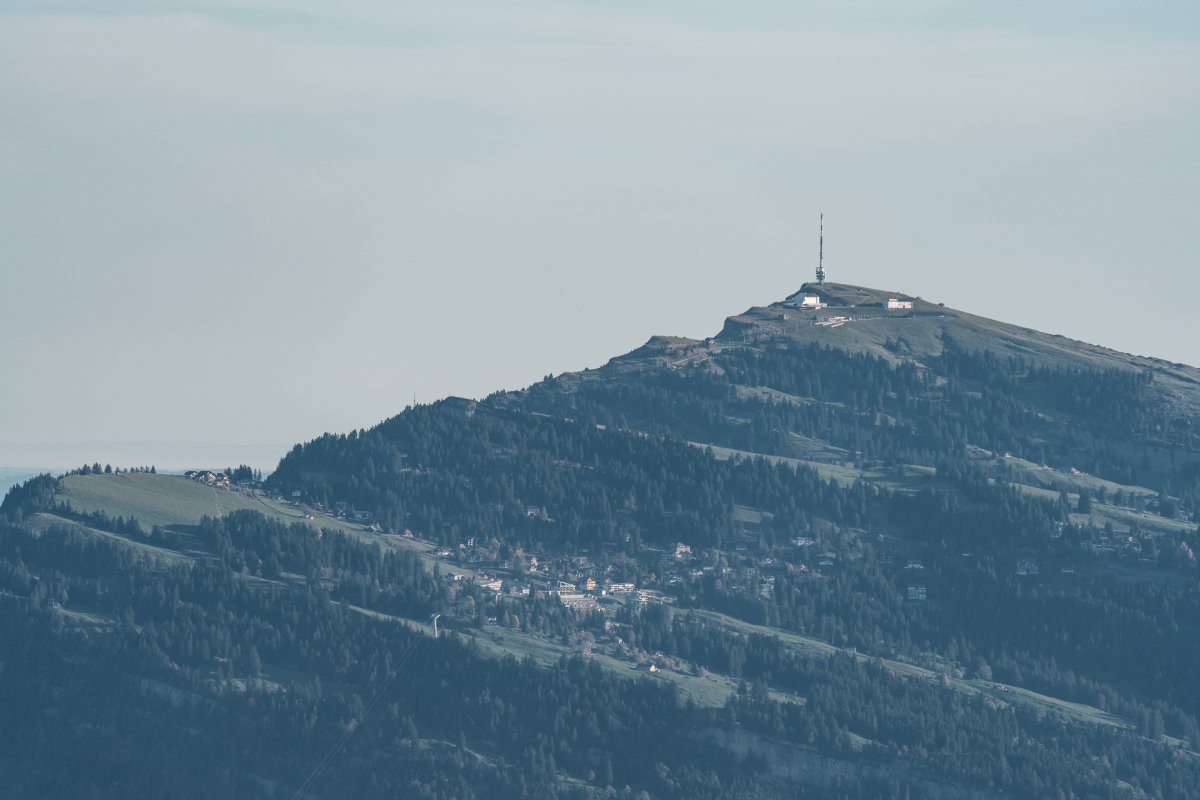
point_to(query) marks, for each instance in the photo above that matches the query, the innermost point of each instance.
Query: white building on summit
(894, 303)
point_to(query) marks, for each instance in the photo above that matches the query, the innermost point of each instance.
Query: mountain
(845, 547)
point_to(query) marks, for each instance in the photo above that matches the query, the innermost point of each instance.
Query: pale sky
(230, 226)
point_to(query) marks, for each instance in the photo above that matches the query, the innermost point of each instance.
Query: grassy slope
(172, 500)
(1064, 709)
(905, 478)
(175, 502)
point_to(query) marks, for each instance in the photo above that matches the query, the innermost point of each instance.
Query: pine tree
(253, 662)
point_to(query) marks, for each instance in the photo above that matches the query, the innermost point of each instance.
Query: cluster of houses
(578, 582)
(218, 480)
(584, 595)
(661, 576)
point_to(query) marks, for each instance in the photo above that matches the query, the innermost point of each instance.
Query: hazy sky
(252, 222)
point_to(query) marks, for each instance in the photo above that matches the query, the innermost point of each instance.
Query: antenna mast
(821, 254)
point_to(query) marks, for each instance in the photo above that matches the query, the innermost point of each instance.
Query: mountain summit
(858, 320)
(844, 295)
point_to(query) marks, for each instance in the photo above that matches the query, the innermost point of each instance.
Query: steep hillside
(846, 551)
(917, 483)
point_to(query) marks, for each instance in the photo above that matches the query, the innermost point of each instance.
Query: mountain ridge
(924, 311)
(910, 334)
(915, 548)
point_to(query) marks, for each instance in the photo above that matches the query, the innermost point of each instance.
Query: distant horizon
(286, 221)
(167, 456)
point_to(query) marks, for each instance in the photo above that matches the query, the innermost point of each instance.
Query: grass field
(710, 690)
(844, 476)
(1123, 519)
(172, 500)
(1031, 474)
(905, 478)
(1065, 709)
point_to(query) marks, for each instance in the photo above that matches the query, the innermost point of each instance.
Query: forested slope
(830, 553)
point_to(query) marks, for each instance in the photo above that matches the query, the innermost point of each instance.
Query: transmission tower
(821, 254)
